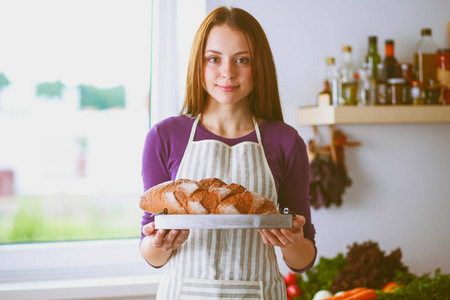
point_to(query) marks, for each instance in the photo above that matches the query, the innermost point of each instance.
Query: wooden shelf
(398, 114)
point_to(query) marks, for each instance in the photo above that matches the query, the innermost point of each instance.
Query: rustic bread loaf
(207, 196)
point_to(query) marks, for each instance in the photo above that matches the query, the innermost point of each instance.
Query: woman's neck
(227, 121)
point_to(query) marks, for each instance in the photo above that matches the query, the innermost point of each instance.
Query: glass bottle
(372, 57)
(379, 88)
(324, 97)
(390, 63)
(425, 58)
(443, 75)
(347, 84)
(407, 74)
(365, 85)
(425, 66)
(332, 77)
(331, 69)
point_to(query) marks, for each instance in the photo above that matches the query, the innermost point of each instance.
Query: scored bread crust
(207, 196)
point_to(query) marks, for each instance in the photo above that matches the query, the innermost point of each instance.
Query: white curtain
(174, 25)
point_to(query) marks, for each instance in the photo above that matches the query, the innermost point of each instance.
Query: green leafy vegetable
(423, 288)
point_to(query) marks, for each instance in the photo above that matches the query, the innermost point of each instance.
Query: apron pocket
(209, 289)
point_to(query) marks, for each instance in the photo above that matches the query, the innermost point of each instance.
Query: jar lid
(330, 61)
(347, 48)
(425, 31)
(389, 42)
(396, 81)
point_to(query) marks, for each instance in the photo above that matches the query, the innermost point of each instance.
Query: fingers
(165, 239)
(170, 240)
(158, 238)
(148, 229)
(276, 237)
(298, 221)
(263, 236)
(284, 237)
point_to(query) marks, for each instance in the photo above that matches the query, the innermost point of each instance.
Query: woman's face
(227, 67)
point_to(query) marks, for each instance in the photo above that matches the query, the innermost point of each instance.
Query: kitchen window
(76, 78)
(73, 115)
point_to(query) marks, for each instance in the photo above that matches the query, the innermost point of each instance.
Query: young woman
(231, 128)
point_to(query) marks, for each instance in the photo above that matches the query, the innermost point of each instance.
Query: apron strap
(258, 134)
(188, 147)
(266, 163)
(194, 128)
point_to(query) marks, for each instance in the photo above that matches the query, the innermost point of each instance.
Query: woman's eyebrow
(241, 52)
(237, 53)
(213, 51)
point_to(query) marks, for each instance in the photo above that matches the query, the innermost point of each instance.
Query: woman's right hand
(166, 240)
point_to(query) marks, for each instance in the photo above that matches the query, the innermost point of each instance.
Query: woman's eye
(243, 60)
(213, 59)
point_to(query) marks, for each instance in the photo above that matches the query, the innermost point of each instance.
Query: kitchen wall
(400, 196)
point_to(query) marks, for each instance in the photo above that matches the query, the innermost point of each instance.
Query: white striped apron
(225, 263)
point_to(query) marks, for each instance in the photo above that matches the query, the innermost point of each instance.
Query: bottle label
(324, 99)
(348, 93)
(381, 93)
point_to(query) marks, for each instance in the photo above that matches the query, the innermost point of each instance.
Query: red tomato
(289, 298)
(293, 290)
(290, 278)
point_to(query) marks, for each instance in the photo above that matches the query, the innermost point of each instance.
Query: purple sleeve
(152, 159)
(288, 159)
(287, 156)
(163, 150)
(294, 189)
(294, 192)
(154, 155)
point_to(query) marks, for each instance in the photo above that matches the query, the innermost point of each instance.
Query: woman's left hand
(284, 237)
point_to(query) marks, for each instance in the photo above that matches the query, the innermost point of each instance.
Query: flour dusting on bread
(208, 196)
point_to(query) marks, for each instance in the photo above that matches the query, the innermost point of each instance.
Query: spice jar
(443, 74)
(417, 94)
(408, 75)
(397, 91)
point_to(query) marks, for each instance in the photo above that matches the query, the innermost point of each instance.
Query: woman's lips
(227, 88)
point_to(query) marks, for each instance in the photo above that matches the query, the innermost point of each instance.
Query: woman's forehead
(225, 37)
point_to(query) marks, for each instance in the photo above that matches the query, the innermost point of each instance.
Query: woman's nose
(227, 70)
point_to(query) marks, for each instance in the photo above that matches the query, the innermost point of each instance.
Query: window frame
(81, 269)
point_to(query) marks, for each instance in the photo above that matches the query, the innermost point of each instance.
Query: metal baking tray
(212, 221)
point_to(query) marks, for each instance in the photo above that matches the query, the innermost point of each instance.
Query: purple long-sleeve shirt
(285, 151)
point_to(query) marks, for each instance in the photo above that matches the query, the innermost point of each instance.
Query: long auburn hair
(264, 100)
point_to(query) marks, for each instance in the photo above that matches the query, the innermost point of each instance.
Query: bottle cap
(389, 42)
(372, 39)
(425, 31)
(330, 61)
(396, 81)
(347, 49)
(443, 50)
